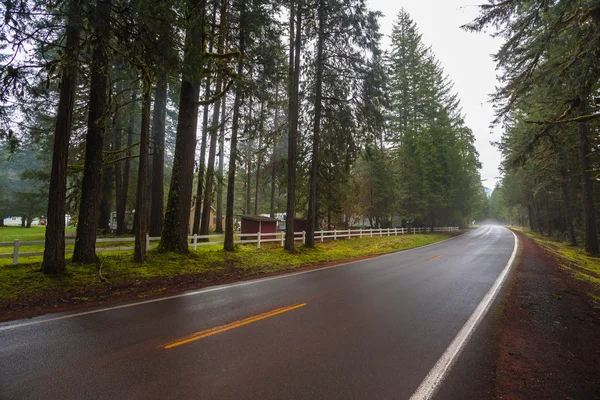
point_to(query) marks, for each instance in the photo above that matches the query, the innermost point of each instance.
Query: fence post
(195, 241)
(16, 252)
(321, 235)
(258, 240)
(349, 233)
(147, 241)
(371, 232)
(303, 237)
(360, 233)
(282, 238)
(335, 234)
(388, 231)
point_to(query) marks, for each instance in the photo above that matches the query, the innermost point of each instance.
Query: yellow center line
(434, 258)
(236, 324)
(467, 245)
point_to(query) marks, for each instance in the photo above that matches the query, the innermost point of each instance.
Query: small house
(213, 218)
(257, 223)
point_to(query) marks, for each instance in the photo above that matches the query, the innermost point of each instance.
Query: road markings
(440, 370)
(434, 258)
(12, 325)
(467, 245)
(223, 328)
(485, 234)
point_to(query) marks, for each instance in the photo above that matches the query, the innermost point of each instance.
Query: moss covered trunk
(176, 222)
(85, 244)
(54, 247)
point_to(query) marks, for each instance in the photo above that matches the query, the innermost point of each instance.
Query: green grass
(35, 233)
(26, 279)
(573, 259)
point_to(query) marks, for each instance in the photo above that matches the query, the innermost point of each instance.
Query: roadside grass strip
(118, 268)
(574, 259)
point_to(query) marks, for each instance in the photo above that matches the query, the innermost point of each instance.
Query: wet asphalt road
(368, 330)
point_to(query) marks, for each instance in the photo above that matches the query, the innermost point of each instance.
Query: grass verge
(571, 258)
(115, 273)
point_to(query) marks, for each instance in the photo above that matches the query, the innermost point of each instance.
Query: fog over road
(372, 329)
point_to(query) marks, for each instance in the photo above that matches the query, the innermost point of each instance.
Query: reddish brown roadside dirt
(549, 346)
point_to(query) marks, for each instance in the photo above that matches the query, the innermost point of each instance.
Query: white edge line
(206, 290)
(440, 370)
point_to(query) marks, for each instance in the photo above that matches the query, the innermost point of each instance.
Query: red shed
(257, 223)
(299, 225)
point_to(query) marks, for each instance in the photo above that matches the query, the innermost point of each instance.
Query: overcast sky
(466, 59)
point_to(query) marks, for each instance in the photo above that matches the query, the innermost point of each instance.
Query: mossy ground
(572, 258)
(118, 269)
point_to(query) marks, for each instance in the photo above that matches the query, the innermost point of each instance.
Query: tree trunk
(274, 154)
(568, 214)
(314, 170)
(201, 167)
(530, 217)
(176, 222)
(259, 157)
(538, 214)
(589, 212)
(85, 244)
(108, 181)
(248, 185)
(220, 177)
(54, 247)
(118, 179)
(214, 129)
(158, 156)
(547, 207)
(121, 220)
(210, 172)
(118, 169)
(23, 221)
(293, 123)
(228, 244)
(141, 204)
(202, 163)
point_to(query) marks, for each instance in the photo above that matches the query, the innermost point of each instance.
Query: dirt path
(549, 343)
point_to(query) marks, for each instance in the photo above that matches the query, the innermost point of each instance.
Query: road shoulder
(540, 340)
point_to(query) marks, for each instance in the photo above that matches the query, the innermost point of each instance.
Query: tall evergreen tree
(175, 229)
(54, 245)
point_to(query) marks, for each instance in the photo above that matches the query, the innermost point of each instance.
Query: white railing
(239, 238)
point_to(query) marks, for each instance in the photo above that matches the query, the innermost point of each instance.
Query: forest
(273, 107)
(548, 107)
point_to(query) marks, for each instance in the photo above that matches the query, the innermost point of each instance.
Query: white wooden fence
(239, 238)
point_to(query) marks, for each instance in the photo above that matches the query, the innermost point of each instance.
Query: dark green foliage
(547, 103)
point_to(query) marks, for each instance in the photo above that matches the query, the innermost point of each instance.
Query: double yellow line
(236, 324)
